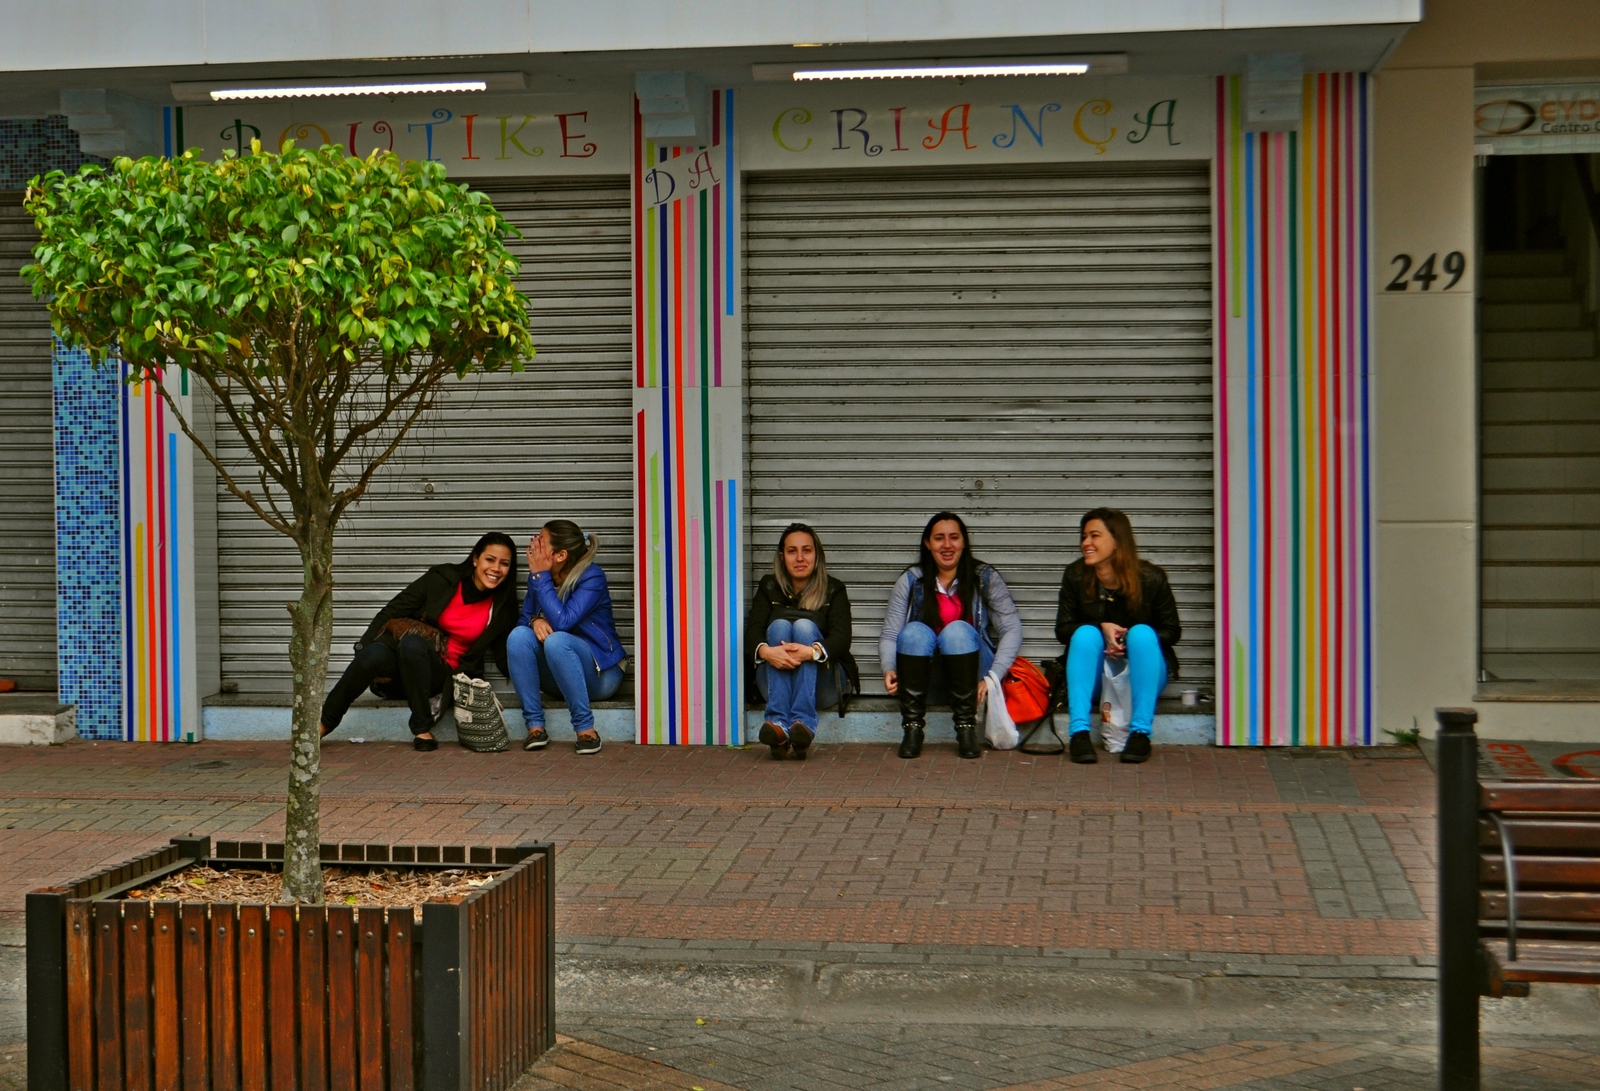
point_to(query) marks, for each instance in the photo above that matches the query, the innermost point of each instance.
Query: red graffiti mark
(1572, 767)
(1515, 761)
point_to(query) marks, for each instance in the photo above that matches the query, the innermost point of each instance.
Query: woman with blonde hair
(797, 629)
(1115, 605)
(566, 643)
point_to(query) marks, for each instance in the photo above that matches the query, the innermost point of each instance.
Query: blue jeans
(956, 638)
(1086, 657)
(561, 665)
(792, 694)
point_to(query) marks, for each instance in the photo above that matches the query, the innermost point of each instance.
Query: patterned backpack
(480, 721)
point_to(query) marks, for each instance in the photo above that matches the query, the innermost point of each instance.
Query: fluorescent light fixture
(244, 90)
(940, 71)
(942, 68)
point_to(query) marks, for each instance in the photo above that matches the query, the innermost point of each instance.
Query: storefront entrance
(1540, 426)
(502, 452)
(1018, 344)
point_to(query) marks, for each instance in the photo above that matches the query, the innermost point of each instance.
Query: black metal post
(46, 919)
(444, 997)
(1460, 972)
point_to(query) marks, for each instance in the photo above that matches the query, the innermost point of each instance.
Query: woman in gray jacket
(951, 626)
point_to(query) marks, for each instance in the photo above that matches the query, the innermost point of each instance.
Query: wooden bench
(1519, 890)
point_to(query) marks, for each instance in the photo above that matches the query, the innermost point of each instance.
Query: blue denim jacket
(586, 612)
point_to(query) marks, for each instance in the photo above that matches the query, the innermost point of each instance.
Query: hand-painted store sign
(473, 136)
(1534, 119)
(949, 122)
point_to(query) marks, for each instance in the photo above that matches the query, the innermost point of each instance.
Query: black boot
(961, 680)
(911, 677)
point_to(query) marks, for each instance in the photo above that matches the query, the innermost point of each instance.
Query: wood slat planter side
(163, 996)
(235, 983)
(511, 973)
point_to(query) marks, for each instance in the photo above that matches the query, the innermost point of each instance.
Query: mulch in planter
(341, 886)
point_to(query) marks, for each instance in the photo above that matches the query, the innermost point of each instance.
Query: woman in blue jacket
(566, 642)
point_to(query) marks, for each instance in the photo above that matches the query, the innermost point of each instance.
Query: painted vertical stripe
(174, 601)
(129, 581)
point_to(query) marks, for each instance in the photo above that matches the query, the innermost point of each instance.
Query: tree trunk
(308, 655)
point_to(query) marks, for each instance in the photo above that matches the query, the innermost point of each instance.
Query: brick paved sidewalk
(1206, 870)
(1200, 850)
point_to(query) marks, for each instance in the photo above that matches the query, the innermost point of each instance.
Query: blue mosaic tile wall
(88, 426)
(32, 146)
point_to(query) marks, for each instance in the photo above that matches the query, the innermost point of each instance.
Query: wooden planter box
(170, 996)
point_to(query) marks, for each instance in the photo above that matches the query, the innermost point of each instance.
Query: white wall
(1427, 379)
(78, 34)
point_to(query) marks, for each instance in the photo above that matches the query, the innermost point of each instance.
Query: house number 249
(1430, 270)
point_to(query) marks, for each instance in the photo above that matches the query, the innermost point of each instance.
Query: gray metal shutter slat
(504, 452)
(1043, 330)
(27, 451)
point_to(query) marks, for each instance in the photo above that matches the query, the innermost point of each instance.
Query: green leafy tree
(321, 301)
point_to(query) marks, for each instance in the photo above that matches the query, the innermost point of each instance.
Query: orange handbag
(1026, 690)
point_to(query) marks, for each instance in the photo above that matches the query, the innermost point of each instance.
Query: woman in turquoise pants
(1113, 604)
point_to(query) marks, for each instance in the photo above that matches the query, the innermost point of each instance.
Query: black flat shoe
(1138, 748)
(424, 745)
(538, 738)
(1081, 748)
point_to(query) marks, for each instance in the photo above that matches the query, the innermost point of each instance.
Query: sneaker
(1138, 748)
(776, 739)
(588, 742)
(1081, 748)
(538, 738)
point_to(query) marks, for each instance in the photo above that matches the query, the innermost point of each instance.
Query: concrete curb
(1155, 991)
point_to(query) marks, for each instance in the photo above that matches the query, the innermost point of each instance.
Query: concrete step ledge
(387, 723)
(36, 721)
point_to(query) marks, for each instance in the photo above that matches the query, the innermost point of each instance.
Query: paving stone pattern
(765, 1056)
(1351, 867)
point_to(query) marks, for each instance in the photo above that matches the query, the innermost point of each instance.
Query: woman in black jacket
(1114, 604)
(799, 623)
(445, 622)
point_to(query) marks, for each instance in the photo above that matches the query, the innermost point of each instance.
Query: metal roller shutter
(28, 532)
(504, 452)
(1018, 345)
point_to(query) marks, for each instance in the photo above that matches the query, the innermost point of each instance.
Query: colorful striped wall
(1294, 421)
(157, 507)
(688, 417)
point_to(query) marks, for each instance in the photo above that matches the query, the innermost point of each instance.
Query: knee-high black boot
(961, 679)
(911, 676)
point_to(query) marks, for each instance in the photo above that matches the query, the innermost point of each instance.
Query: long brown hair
(966, 570)
(580, 547)
(816, 592)
(1125, 561)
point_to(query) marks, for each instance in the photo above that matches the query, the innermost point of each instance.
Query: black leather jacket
(426, 598)
(1157, 608)
(833, 619)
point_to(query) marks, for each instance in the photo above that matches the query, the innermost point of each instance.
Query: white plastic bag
(1116, 704)
(998, 727)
